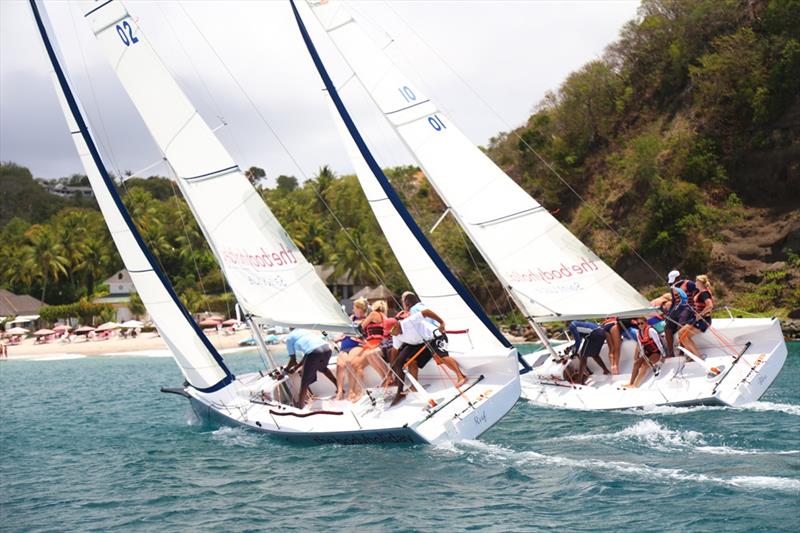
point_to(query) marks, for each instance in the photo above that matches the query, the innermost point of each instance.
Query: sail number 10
(409, 96)
(125, 32)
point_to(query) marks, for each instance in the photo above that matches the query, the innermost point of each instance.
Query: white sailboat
(547, 272)
(268, 274)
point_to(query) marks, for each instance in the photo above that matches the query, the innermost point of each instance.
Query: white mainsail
(548, 271)
(197, 358)
(267, 272)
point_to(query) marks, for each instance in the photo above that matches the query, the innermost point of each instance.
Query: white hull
(679, 382)
(492, 390)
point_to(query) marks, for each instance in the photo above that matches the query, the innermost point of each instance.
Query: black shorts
(315, 361)
(679, 316)
(702, 323)
(593, 343)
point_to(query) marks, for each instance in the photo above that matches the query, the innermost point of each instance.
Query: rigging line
(357, 247)
(214, 104)
(478, 269)
(107, 147)
(189, 241)
(420, 79)
(549, 166)
(107, 144)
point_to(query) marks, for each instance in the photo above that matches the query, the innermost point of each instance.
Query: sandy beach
(146, 343)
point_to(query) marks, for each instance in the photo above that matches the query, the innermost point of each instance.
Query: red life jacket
(648, 344)
(374, 330)
(699, 306)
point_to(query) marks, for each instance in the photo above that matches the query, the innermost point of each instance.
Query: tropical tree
(47, 253)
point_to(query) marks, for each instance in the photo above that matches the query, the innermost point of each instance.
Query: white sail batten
(265, 269)
(548, 271)
(199, 362)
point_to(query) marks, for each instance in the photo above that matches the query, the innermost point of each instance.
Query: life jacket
(699, 306)
(374, 330)
(648, 344)
(684, 286)
(388, 324)
(609, 323)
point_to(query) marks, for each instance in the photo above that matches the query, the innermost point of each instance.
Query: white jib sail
(196, 357)
(550, 273)
(426, 279)
(267, 272)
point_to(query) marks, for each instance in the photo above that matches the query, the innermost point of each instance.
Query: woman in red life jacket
(702, 305)
(648, 348)
(369, 354)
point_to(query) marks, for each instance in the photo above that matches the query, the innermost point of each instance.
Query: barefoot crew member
(316, 354)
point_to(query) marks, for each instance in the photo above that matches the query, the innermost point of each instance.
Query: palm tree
(96, 258)
(48, 255)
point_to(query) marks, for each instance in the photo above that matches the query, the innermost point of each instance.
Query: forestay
(197, 358)
(267, 272)
(549, 272)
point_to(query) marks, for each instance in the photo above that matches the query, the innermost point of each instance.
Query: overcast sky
(509, 52)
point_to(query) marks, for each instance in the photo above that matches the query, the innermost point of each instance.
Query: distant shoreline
(150, 344)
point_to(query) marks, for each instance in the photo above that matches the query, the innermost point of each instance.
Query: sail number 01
(436, 123)
(125, 32)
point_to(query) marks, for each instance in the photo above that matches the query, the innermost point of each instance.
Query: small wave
(650, 433)
(788, 408)
(672, 409)
(658, 437)
(231, 436)
(501, 453)
(727, 450)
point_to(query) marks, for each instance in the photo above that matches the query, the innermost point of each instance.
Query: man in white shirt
(416, 338)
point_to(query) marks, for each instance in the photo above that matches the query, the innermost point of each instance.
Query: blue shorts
(702, 323)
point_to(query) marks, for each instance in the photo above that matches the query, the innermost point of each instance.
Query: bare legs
(685, 335)
(614, 347)
(343, 370)
(639, 371)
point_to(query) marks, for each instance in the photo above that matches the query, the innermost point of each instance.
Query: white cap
(672, 276)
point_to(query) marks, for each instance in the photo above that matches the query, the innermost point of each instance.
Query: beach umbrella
(17, 331)
(230, 322)
(83, 330)
(107, 326)
(209, 322)
(132, 324)
(43, 332)
(59, 328)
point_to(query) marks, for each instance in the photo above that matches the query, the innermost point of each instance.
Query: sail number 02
(125, 32)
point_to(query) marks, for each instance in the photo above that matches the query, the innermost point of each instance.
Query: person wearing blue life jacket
(595, 337)
(579, 330)
(316, 355)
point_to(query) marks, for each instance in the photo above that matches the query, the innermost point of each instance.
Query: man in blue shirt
(316, 355)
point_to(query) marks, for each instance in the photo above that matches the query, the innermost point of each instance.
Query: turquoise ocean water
(92, 445)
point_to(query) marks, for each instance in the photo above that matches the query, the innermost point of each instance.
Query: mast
(197, 358)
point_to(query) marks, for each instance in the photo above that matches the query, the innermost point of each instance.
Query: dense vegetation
(683, 137)
(678, 137)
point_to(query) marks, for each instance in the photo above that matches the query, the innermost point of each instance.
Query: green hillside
(683, 138)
